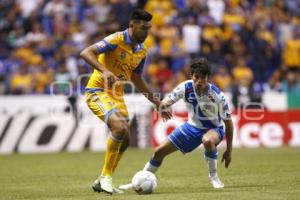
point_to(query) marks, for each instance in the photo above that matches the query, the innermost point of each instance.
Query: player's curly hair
(200, 66)
(140, 14)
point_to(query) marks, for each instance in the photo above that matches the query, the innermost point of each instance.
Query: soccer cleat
(216, 182)
(97, 186)
(106, 184)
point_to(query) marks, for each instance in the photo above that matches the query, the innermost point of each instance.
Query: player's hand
(227, 158)
(110, 78)
(164, 112)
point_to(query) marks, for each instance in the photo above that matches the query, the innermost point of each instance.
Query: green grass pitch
(253, 174)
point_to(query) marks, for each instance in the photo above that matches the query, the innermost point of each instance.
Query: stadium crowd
(253, 45)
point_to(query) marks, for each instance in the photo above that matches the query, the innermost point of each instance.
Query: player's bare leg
(210, 141)
(166, 148)
(120, 132)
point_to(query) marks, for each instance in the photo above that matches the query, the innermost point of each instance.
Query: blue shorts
(187, 137)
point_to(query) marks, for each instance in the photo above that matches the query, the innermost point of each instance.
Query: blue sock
(155, 162)
(211, 154)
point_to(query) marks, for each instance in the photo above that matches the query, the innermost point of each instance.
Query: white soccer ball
(144, 182)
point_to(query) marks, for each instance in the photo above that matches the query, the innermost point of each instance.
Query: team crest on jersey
(209, 110)
(211, 98)
(123, 55)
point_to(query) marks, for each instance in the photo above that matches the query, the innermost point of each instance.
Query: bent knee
(208, 142)
(120, 130)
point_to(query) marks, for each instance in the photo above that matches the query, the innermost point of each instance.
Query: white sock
(150, 168)
(212, 166)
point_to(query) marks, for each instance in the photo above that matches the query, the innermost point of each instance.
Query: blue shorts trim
(155, 162)
(221, 133)
(92, 90)
(187, 137)
(109, 113)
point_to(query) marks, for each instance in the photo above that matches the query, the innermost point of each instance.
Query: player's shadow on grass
(247, 186)
(229, 188)
(178, 190)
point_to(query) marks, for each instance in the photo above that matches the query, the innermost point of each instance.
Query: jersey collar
(206, 91)
(129, 42)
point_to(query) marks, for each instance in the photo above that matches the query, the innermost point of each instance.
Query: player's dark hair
(200, 66)
(140, 14)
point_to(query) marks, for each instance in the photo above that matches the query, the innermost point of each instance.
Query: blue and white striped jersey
(205, 111)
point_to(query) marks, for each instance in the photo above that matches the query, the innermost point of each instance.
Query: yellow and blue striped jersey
(117, 54)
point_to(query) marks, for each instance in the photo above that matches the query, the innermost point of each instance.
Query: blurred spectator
(36, 34)
(275, 82)
(252, 45)
(161, 74)
(242, 74)
(123, 8)
(291, 52)
(43, 77)
(102, 9)
(27, 7)
(21, 81)
(284, 27)
(235, 17)
(177, 53)
(162, 11)
(216, 10)
(165, 37)
(243, 89)
(222, 78)
(62, 81)
(28, 53)
(291, 83)
(211, 40)
(56, 17)
(90, 24)
(192, 9)
(191, 37)
(16, 38)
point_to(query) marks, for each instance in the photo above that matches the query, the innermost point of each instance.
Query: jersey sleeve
(177, 93)
(225, 111)
(109, 43)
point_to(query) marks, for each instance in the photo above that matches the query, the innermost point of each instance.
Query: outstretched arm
(90, 55)
(229, 135)
(141, 86)
(165, 110)
(170, 99)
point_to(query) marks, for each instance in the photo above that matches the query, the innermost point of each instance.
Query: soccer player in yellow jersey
(117, 58)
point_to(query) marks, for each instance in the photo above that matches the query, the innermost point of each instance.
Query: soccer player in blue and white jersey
(207, 109)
